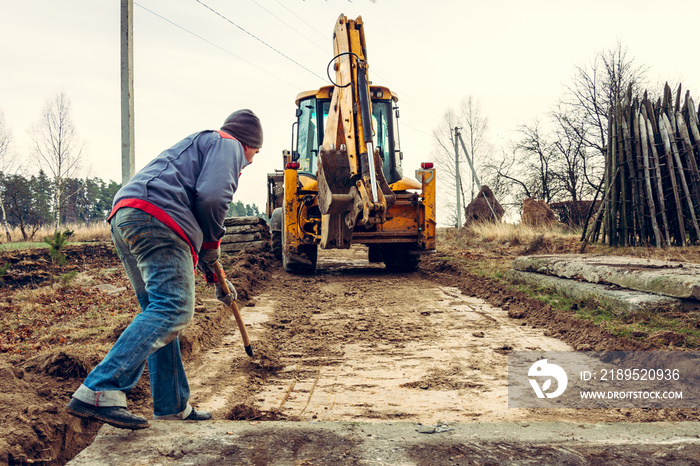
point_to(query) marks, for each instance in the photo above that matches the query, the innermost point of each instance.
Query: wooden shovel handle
(221, 277)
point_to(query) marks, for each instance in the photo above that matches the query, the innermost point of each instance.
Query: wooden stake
(647, 179)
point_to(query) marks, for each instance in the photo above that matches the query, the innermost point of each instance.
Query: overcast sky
(194, 67)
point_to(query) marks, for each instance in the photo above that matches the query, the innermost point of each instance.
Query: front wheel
(276, 232)
(276, 240)
(301, 261)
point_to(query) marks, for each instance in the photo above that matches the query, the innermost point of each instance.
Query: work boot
(116, 416)
(198, 416)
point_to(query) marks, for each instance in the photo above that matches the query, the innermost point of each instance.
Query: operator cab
(312, 113)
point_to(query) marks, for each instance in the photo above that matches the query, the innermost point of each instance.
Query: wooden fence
(651, 183)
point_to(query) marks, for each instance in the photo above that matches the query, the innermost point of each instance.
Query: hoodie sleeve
(222, 161)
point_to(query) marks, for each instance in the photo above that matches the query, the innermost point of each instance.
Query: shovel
(234, 307)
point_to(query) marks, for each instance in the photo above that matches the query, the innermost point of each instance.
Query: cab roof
(326, 91)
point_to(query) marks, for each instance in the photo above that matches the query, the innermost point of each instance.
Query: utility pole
(476, 178)
(457, 180)
(127, 88)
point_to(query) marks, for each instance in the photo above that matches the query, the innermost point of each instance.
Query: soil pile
(39, 372)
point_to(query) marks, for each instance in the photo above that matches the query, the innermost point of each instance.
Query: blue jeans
(160, 268)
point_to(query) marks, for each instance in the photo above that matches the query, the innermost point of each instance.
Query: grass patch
(82, 233)
(639, 326)
(487, 250)
(22, 245)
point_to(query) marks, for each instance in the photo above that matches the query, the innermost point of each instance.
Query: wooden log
(596, 221)
(245, 229)
(234, 221)
(647, 179)
(625, 160)
(638, 179)
(235, 247)
(674, 185)
(681, 175)
(242, 238)
(693, 124)
(609, 155)
(590, 210)
(667, 96)
(689, 156)
(659, 183)
(651, 114)
(612, 204)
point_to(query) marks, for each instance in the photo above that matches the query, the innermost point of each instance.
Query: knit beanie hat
(245, 126)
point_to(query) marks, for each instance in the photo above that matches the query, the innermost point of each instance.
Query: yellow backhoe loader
(342, 181)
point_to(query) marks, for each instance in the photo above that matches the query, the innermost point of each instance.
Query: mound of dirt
(34, 390)
(246, 412)
(33, 267)
(266, 359)
(63, 365)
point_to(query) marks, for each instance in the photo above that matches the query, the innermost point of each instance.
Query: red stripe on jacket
(158, 213)
(225, 135)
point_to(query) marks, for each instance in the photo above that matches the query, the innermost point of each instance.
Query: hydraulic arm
(352, 188)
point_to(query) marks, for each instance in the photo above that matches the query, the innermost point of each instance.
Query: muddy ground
(352, 342)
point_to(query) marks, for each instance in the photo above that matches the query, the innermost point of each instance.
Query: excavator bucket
(334, 182)
(334, 198)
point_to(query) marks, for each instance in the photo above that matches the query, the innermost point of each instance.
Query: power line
(269, 46)
(258, 39)
(289, 25)
(215, 45)
(407, 96)
(325, 37)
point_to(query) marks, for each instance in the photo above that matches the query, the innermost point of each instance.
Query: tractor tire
(276, 221)
(303, 262)
(276, 240)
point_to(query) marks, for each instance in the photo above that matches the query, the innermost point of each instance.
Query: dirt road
(356, 343)
(360, 364)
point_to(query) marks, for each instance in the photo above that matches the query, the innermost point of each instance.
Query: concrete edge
(166, 442)
(678, 284)
(622, 301)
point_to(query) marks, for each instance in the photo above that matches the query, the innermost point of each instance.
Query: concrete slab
(668, 278)
(287, 443)
(620, 300)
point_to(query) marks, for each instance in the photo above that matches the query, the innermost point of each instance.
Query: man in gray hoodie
(167, 220)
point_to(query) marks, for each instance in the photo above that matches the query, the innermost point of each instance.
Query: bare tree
(587, 102)
(57, 147)
(539, 159)
(505, 173)
(570, 158)
(473, 126)
(562, 158)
